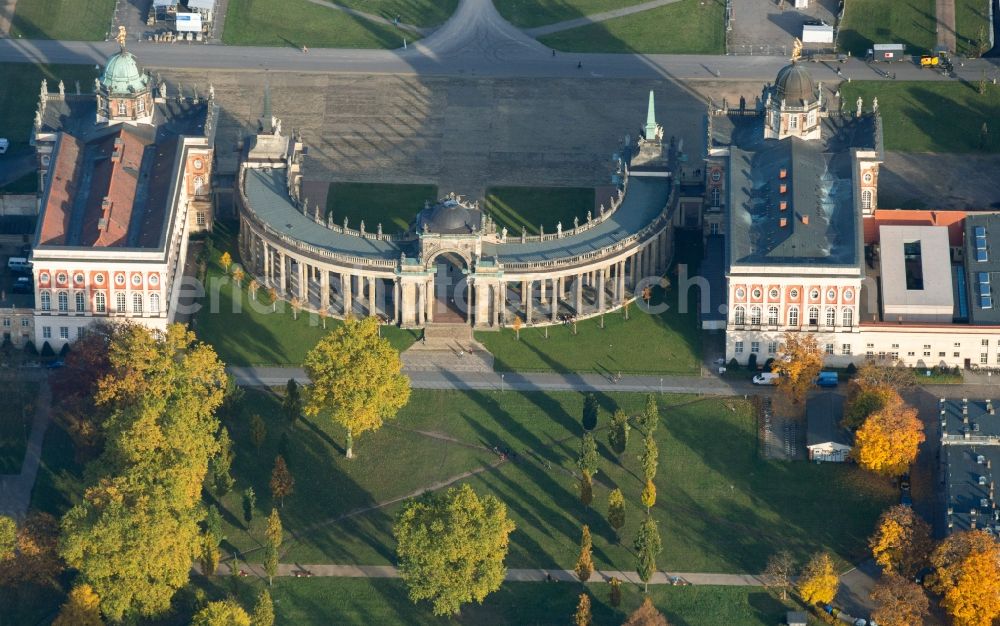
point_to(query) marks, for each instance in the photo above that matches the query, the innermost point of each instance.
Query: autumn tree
(615, 597)
(136, 532)
(898, 601)
(221, 463)
(863, 402)
(818, 582)
(238, 276)
(587, 463)
(650, 417)
(451, 547)
(646, 615)
(225, 261)
(356, 379)
(258, 431)
(517, 327)
(282, 481)
(296, 306)
(34, 560)
(221, 613)
(273, 536)
(616, 511)
(253, 286)
(649, 457)
(618, 433)
(779, 572)
(647, 547)
(648, 495)
(82, 608)
(967, 576)
(582, 616)
(888, 441)
(263, 610)
(902, 541)
(291, 404)
(878, 373)
(585, 562)
(272, 295)
(591, 408)
(8, 537)
(798, 364)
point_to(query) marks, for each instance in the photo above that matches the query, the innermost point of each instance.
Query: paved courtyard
(762, 27)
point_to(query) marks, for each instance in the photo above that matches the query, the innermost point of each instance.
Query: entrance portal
(450, 293)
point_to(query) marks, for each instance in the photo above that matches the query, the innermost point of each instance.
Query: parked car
(904, 491)
(827, 379)
(767, 378)
(18, 264)
(54, 365)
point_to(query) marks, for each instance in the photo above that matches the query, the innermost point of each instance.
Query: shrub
(733, 364)
(30, 348)
(47, 350)
(752, 363)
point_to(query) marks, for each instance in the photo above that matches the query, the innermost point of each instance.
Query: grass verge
(972, 26)
(393, 205)
(912, 23)
(518, 208)
(72, 20)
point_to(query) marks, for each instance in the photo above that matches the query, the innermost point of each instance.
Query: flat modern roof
(982, 266)
(915, 264)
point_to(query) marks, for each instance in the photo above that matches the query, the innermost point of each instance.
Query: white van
(4, 145)
(766, 378)
(18, 264)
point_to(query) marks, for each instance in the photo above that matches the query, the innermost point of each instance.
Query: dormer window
(122, 109)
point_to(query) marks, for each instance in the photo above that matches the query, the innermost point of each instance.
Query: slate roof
(713, 269)
(963, 492)
(823, 414)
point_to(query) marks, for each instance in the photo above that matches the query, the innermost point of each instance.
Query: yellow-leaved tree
(82, 608)
(898, 601)
(967, 576)
(902, 541)
(797, 365)
(888, 441)
(356, 379)
(818, 582)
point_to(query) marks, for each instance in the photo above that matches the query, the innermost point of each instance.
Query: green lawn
(394, 205)
(299, 22)
(663, 343)
(74, 20)
(909, 22)
(932, 116)
(323, 601)
(257, 335)
(530, 13)
(527, 208)
(415, 12)
(16, 414)
(971, 25)
(720, 507)
(686, 27)
(19, 95)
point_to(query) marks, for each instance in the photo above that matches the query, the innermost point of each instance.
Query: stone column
(620, 294)
(498, 304)
(664, 245)
(303, 284)
(555, 298)
(283, 274)
(420, 302)
(429, 300)
(530, 302)
(600, 291)
(371, 296)
(395, 302)
(346, 288)
(654, 256)
(482, 305)
(525, 296)
(267, 264)
(579, 295)
(541, 291)
(324, 290)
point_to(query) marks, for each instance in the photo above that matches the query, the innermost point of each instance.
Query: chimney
(805, 219)
(783, 205)
(783, 188)
(784, 222)
(102, 223)
(783, 173)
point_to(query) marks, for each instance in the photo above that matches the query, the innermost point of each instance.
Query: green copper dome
(122, 75)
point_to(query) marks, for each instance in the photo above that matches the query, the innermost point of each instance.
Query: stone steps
(448, 347)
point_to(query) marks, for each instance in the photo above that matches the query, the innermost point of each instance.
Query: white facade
(829, 452)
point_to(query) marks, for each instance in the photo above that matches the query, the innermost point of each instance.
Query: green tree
(136, 532)
(650, 415)
(582, 616)
(588, 467)
(282, 481)
(212, 537)
(647, 547)
(585, 562)
(586, 490)
(8, 537)
(356, 379)
(221, 464)
(618, 434)
(452, 546)
(272, 545)
(258, 431)
(650, 457)
(291, 404)
(221, 613)
(616, 511)
(249, 504)
(591, 408)
(263, 611)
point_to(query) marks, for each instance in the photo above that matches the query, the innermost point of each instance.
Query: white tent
(188, 23)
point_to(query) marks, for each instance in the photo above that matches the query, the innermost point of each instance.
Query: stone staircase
(448, 347)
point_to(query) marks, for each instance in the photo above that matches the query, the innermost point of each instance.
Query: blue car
(827, 379)
(54, 365)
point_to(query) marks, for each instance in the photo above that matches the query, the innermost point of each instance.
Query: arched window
(793, 316)
(120, 302)
(46, 301)
(848, 317)
(831, 316)
(137, 303)
(63, 301)
(772, 316)
(154, 303)
(866, 199)
(79, 302)
(755, 316)
(100, 303)
(813, 315)
(739, 316)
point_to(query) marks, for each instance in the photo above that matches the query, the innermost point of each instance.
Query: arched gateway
(454, 264)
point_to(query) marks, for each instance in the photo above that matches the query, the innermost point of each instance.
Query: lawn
(527, 208)
(323, 601)
(415, 12)
(73, 20)
(649, 343)
(19, 95)
(971, 25)
(685, 27)
(720, 507)
(258, 335)
(530, 13)
(932, 116)
(16, 413)
(395, 206)
(299, 22)
(909, 22)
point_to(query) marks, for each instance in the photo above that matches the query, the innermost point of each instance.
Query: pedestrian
(579, 64)
(553, 52)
